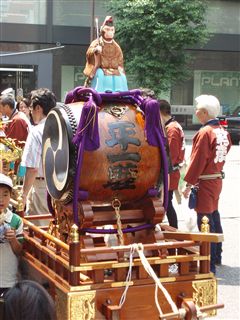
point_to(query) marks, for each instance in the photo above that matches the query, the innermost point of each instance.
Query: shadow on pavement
(229, 276)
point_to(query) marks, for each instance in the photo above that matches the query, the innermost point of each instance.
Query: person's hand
(10, 235)
(98, 49)
(186, 191)
(121, 70)
(24, 199)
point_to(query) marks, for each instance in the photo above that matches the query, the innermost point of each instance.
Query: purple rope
(86, 138)
(165, 170)
(76, 181)
(114, 231)
(155, 137)
(70, 97)
(80, 92)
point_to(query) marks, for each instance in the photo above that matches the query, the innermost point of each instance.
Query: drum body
(125, 166)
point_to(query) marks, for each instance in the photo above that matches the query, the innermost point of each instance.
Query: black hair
(7, 100)
(148, 93)
(24, 100)
(6, 186)
(28, 300)
(165, 107)
(27, 102)
(44, 98)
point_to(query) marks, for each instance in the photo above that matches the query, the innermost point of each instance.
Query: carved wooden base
(139, 304)
(75, 305)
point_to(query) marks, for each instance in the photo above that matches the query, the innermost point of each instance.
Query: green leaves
(154, 34)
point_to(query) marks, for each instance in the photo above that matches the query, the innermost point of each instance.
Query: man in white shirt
(34, 187)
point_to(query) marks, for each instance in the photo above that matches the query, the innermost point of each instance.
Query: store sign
(182, 110)
(225, 85)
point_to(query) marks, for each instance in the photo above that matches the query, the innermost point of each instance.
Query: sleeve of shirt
(175, 144)
(17, 129)
(32, 151)
(198, 160)
(17, 224)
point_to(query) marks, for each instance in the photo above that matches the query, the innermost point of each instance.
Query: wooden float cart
(88, 278)
(106, 253)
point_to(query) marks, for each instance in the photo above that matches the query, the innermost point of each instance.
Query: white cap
(6, 180)
(8, 92)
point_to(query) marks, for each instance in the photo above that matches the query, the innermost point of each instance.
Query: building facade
(44, 42)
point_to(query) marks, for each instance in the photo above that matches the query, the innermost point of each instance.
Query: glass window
(225, 85)
(223, 17)
(22, 78)
(23, 11)
(72, 77)
(78, 13)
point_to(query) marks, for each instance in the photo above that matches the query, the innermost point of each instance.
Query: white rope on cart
(128, 278)
(139, 248)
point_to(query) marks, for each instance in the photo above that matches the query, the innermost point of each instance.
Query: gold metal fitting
(20, 206)
(74, 235)
(116, 204)
(205, 226)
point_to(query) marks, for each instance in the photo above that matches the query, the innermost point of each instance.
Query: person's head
(7, 105)
(6, 186)
(42, 101)
(165, 109)
(207, 108)
(23, 106)
(107, 29)
(147, 93)
(28, 300)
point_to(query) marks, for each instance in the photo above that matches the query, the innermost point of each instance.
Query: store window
(78, 13)
(225, 85)
(23, 11)
(18, 77)
(223, 17)
(71, 77)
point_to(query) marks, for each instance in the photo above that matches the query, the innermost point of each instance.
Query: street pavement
(228, 274)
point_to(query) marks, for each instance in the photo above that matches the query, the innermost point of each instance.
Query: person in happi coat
(209, 150)
(176, 143)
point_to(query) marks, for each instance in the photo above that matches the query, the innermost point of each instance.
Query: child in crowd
(28, 300)
(11, 237)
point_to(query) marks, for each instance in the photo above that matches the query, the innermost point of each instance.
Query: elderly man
(210, 147)
(42, 101)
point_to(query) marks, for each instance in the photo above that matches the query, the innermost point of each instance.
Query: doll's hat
(108, 22)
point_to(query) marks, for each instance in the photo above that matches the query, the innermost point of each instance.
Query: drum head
(58, 154)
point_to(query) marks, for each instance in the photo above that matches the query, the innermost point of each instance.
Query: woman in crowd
(24, 106)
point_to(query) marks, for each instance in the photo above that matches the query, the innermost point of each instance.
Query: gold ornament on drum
(116, 111)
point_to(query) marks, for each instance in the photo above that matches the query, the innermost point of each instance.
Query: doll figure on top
(104, 61)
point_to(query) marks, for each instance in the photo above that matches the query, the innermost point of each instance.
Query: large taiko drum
(125, 166)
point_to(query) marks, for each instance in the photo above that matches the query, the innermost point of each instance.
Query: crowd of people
(23, 122)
